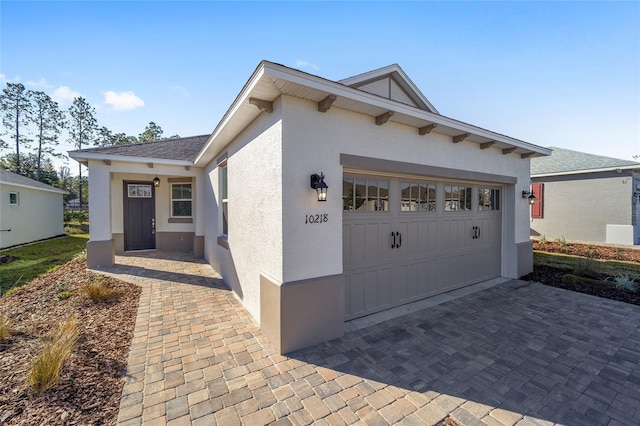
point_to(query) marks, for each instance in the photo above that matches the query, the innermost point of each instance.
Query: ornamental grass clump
(5, 328)
(98, 292)
(624, 282)
(45, 369)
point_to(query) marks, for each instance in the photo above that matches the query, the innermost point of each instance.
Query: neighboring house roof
(565, 161)
(10, 178)
(180, 149)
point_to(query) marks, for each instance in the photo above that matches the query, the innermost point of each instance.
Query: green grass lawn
(609, 268)
(36, 259)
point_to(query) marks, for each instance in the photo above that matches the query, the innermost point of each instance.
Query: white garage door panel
(437, 253)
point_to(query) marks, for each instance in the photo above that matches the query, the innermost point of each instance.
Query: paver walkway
(519, 353)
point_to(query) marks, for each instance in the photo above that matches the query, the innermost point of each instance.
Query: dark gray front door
(139, 216)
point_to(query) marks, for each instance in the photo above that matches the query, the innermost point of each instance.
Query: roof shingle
(10, 178)
(565, 160)
(184, 149)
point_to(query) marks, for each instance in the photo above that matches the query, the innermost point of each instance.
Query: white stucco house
(417, 203)
(29, 210)
(585, 197)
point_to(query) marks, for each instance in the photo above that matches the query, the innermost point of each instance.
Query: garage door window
(417, 197)
(365, 195)
(488, 199)
(457, 198)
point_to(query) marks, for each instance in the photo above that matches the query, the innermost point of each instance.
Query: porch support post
(100, 248)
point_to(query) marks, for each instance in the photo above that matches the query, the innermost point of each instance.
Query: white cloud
(122, 101)
(305, 64)
(40, 83)
(64, 95)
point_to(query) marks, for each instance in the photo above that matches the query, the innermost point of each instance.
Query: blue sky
(561, 74)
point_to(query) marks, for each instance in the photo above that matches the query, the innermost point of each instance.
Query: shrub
(562, 241)
(62, 293)
(5, 328)
(98, 292)
(543, 240)
(585, 268)
(624, 282)
(45, 369)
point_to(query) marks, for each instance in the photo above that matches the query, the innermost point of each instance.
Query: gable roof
(566, 161)
(391, 82)
(176, 149)
(270, 81)
(10, 178)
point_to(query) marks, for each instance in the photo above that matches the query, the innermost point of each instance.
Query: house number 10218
(316, 218)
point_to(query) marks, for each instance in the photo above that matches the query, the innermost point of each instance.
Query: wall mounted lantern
(156, 181)
(317, 183)
(528, 195)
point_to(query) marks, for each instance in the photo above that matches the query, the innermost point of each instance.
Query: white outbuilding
(322, 201)
(29, 210)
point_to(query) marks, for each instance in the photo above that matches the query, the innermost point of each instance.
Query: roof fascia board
(127, 159)
(584, 171)
(21, 185)
(338, 89)
(239, 100)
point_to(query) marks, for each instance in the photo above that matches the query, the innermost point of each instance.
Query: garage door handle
(399, 240)
(393, 244)
(475, 232)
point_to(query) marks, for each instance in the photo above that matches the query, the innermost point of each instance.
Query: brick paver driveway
(518, 353)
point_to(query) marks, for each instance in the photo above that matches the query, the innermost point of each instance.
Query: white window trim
(181, 199)
(17, 203)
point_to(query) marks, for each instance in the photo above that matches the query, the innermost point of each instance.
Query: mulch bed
(553, 276)
(590, 251)
(90, 384)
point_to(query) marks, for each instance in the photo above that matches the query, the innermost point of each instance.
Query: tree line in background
(33, 121)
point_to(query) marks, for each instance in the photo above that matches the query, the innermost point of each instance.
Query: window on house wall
(224, 194)
(14, 198)
(139, 191)
(537, 207)
(365, 195)
(488, 199)
(181, 200)
(457, 198)
(417, 197)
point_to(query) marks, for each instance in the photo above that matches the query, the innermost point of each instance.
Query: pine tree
(82, 130)
(16, 106)
(49, 120)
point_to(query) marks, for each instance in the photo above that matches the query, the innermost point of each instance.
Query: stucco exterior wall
(313, 142)
(579, 207)
(254, 241)
(38, 215)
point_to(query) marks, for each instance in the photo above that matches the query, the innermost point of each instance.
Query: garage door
(405, 239)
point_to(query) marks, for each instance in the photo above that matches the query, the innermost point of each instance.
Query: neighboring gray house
(585, 197)
(29, 210)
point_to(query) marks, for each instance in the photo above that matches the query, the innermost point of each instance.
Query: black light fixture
(156, 181)
(528, 195)
(317, 183)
